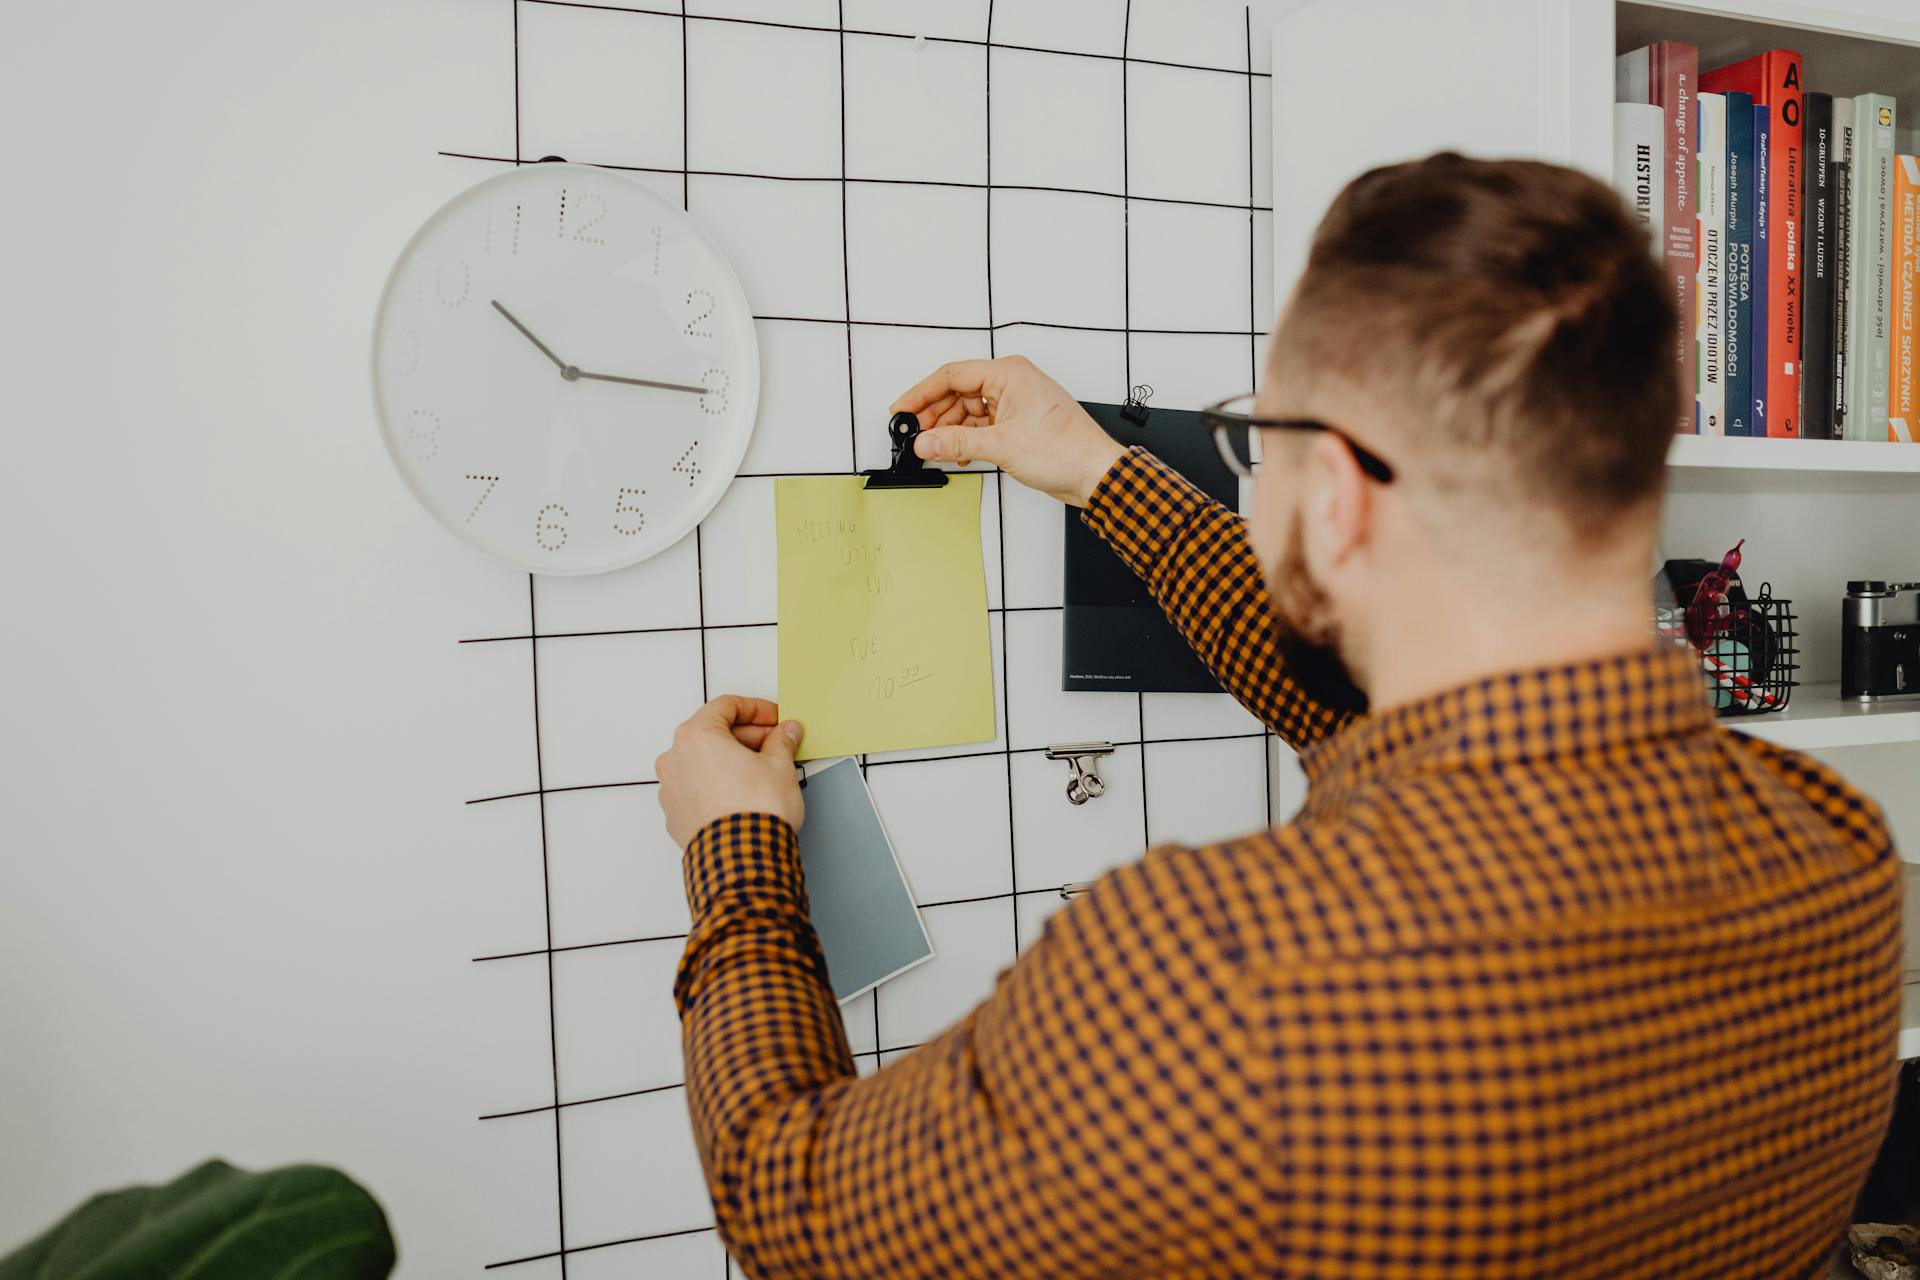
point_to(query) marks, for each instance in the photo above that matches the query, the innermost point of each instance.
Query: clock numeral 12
(549, 526)
(621, 507)
(581, 201)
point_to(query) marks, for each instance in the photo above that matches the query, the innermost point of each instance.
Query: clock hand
(640, 382)
(562, 364)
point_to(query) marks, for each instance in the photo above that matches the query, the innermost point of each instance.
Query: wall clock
(565, 369)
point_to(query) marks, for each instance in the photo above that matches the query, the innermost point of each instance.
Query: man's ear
(1340, 500)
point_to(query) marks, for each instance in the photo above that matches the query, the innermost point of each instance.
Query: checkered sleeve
(1194, 557)
(1098, 1115)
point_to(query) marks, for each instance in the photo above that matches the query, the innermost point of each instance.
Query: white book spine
(1710, 297)
(1870, 328)
(1843, 153)
(1639, 166)
(1633, 76)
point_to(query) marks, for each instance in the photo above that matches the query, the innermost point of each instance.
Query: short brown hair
(1515, 311)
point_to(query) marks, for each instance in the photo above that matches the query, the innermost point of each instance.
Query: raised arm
(1098, 1115)
(1191, 551)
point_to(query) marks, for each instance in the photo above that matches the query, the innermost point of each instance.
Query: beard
(1305, 631)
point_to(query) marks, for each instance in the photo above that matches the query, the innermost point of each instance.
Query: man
(1550, 976)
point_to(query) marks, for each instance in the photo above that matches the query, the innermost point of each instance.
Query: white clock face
(565, 369)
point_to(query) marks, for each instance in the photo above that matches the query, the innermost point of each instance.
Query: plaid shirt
(1551, 976)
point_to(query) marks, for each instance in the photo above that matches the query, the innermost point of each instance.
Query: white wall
(227, 922)
(242, 889)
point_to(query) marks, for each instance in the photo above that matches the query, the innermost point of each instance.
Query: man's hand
(733, 755)
(1009, 413)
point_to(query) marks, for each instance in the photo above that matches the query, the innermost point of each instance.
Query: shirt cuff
(1139, 507)
(755, 856)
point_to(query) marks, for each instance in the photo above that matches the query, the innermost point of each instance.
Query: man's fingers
(959, 378)
(751, 736)
(960, 444)
(781, 740)
(731, 709)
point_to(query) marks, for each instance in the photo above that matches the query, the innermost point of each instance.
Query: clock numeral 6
(716, 381)
(635, 519)
(423, 434)
(550, 527)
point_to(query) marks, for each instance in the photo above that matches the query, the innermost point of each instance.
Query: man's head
(1501, 334)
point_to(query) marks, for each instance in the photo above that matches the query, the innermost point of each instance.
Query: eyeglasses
(1233, 424)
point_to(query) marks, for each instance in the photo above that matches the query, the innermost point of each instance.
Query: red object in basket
(1708, 615)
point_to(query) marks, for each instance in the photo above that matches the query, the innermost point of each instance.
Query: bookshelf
(1817, 719)
(1359, 83)
(1846, 457)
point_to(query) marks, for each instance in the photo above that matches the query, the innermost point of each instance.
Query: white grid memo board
(898, 183)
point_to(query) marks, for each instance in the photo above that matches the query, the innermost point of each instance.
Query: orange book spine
(1901, 423)
(1773, 78)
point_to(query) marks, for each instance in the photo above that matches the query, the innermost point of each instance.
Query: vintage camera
(1880, 641)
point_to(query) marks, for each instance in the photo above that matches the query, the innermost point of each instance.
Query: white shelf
(1748, 453)
(1817, 717)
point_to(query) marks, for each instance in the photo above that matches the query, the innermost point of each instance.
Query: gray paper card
(868, 925)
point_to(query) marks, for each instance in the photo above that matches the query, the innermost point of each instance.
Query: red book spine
(1674, 73)
(1773, 78)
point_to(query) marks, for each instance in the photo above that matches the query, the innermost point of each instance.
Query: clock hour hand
(638, 382)
(562, 365)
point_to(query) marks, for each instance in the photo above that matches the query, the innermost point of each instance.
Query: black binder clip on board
(906, 470)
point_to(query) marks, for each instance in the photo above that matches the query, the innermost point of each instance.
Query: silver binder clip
(1082, 758)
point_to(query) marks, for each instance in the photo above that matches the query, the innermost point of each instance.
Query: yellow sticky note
(883, 615)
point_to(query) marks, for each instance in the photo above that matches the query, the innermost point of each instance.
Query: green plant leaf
(217, 1222)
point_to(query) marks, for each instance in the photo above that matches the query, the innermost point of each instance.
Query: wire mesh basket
(1748, 647)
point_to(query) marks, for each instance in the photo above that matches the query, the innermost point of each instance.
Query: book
(1671, 78)
(1639, 145)
(1710, 301)
(1843, 130)
(857, 894)
(1762, 264)
(1114, 635)
(1773, 78)
(1737, 319)
(1842, 294)
(1901, 419)
(1816, 348)
(1633, 76)
(1870, 338)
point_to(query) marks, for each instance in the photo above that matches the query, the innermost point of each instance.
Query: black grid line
(686, 204)
(1268, 741)
(716, 626)
(874, 1053)
(1126, 343)
(882, 764)
(1041, 891)
(999, 485)
(955, 183)
(845, 30)
(992, 328)
(546, 895)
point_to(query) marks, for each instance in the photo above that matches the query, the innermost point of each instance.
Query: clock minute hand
(643, 382)
(528, 333)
